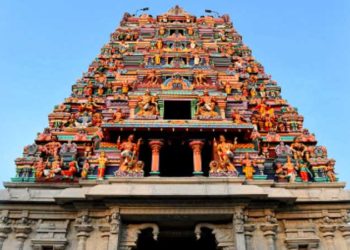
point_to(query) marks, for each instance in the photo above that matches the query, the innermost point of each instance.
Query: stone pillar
(222, 107)
(83, 228)
(114, 235)
(5, 228)
(248, 233)
(22, 231)
(345, 229)
(238, 226)
(105, 230)
(196, 146)
(4, 231)
(269, 231)
(155, 145)
(132, 106)
(328, 234)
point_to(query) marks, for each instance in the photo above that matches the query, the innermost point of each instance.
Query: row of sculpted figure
(56, 159)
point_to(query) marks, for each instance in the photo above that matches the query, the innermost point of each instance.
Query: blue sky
(46, 45)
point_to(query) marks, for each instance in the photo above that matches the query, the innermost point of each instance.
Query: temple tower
(175, 137)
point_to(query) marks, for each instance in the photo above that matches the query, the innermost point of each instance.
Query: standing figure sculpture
(248, 167)
(329, 170)
(290, 169)
(129, 156)
(102, 161)
(222, 165)
(199, 78)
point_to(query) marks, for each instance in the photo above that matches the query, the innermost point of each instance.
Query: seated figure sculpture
(148, 106)
(129, 163)
(222, 165)
(206, 106)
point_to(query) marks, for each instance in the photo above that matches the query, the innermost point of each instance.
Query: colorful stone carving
(166, 76)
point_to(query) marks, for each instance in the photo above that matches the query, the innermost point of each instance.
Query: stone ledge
(308, 185)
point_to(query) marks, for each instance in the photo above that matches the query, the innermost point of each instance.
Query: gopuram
(175, 138)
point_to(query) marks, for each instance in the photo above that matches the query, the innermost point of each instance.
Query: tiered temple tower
(175, 137)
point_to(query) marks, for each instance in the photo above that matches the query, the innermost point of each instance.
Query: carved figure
(206, 105)
(118, 116)
(148, 105)
(55, 167)
(102, 161)
(248, 168)
(40, 166)
(223, 156)
(86, 169)
(304, 172)
(52, 148)
(199, 78)
(237, 117)
(129, 153)
(72, 169)
(298, 149)
(152, 78)
(290, 169)
(329, 170)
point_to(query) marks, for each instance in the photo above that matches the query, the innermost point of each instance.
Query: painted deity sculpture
(248, 167)
(85, 170)
(304, 172)
(199, 78)
(152, 77)
(101, 168)
(290, 170)
(298, 150)
(72, 169)
(147, 105)
(129, 165)
(223, 158)
(56, 167)
(52, 148)
(206, 105)
(329, 170)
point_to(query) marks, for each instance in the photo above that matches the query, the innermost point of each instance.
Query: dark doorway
(177, 110)
(175, 240)
(176, 158)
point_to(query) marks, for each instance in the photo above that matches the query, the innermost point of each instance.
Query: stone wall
(81, 218)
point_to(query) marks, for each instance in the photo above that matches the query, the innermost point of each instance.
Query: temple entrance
(176, 239)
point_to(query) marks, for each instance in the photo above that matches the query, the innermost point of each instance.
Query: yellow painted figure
(248, 168)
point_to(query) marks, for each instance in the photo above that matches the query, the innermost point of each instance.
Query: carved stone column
(248, 232)
(115, 232)
(105, 232)
(155, 145)
(238, 221)
(22, 230)
(132, 106)
(196, 146)
(328, 234)
(83, 228)
(345, 229)
(5, 229)
(269, 231)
